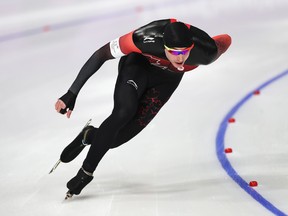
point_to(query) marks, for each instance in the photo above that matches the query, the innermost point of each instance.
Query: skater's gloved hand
(66, 103)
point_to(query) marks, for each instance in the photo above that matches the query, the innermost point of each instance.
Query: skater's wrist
(69, 99)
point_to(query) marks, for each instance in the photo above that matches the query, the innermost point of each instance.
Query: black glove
(69, 99)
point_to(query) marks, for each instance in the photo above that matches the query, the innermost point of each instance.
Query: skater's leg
(150, 104)
(130, 85)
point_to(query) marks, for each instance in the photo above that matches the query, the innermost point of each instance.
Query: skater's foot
(78, 144)
(76, 184)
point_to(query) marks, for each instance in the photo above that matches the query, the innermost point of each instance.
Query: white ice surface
(171, 168)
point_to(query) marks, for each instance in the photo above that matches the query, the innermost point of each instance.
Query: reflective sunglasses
(178, 52)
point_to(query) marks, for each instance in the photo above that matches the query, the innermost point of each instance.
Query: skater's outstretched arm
(65, 104)
(90, 67)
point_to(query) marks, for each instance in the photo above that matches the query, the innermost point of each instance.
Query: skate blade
(55, 166)
(59, 161)
(88, 123)
(69, 195)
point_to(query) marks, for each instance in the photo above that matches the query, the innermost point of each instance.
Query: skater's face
(177, 56)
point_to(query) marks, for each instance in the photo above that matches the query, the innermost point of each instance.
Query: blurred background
(171, 168)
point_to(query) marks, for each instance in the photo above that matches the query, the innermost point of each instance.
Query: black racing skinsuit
(146, 80)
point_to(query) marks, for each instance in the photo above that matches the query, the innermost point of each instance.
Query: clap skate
(76, 184)
(71, 151)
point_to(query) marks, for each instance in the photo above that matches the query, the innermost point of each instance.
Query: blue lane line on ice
(110, 15)
(222, 155)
